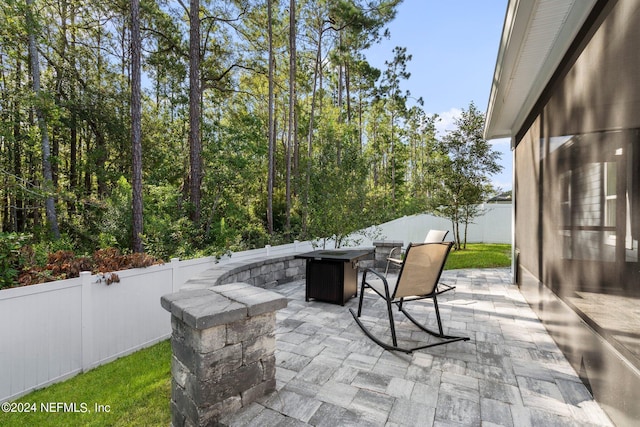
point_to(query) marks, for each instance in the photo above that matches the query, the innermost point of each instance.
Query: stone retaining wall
(263, 272)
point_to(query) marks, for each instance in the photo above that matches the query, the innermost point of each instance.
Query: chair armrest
(375, 273)
(391, 260)
(393, 250)
(381, 277)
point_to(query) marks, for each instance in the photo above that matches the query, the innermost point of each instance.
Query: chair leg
(435, 305)
(361, 298)
(392, 324)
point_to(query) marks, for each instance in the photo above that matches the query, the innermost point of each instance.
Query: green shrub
(10, 257)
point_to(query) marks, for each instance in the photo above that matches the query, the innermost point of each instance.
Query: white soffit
(535, 38)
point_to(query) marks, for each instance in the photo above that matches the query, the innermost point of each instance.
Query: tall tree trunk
(360, 121)
(7, 216)
(73, 148)
(292, 130)
(19, 217)
(87, 162)
(100, 151)
(454, 227)
(296, 142)
(270, 124)
(340, 101)
(50, 207)
(55, 152)
(195, 143)
(56, 134)
(124, 87)
(393, 161)
(347, 86)
(101, 160)
(136, 127)
(314, 93)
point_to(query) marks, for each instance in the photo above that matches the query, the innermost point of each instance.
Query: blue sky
(454, 44)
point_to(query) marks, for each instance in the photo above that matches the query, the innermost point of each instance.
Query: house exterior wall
(526, 208)
(577, 204)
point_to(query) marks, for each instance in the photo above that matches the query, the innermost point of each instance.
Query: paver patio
(510, 373)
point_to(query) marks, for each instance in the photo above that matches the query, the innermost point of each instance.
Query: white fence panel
(127, 315)
(55, 330)
(41, 336)
(493, 226)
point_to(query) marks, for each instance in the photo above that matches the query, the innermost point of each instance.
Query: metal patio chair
(418, 279)
(433, 236)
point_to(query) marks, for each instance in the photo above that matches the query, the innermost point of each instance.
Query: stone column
(223, 346)
(383, 248)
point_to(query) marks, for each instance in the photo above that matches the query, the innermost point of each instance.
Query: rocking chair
(433, 236)
(418, 279)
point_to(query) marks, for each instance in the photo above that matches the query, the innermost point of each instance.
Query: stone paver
(510, 373)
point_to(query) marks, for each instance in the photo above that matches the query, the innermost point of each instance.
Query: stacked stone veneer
(263, 272)
(383, 249)
(223, 346)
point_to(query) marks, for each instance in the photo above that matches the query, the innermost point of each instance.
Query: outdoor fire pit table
(332, 275)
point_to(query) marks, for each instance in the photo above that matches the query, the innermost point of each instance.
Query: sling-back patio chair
(433, 236)
(417, 280)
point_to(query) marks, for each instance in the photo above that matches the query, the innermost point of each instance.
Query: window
(610, 200)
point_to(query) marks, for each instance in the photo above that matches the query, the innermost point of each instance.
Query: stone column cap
(217, 305)
(388, 243)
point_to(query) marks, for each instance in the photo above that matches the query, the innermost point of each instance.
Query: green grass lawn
(480, 255)
(136, 389)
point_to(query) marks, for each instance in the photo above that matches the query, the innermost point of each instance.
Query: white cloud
(446, 121)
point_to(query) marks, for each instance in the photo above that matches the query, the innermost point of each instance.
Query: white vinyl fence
(494, 225)
(52, 331)
(55, 330)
